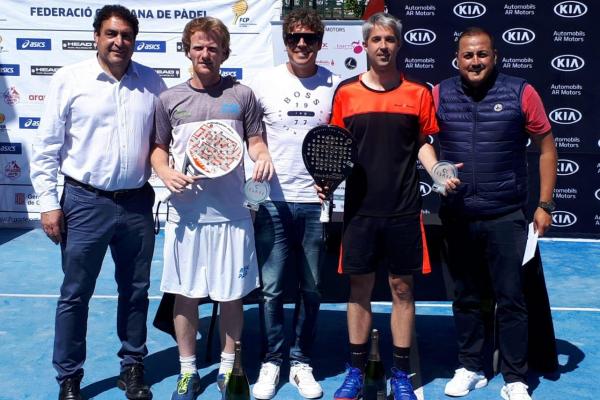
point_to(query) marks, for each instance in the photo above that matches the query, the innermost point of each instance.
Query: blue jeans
(289, 244)
(94, 223)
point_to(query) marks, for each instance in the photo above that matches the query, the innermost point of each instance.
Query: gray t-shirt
(213, 200)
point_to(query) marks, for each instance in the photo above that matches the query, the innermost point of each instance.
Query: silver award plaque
(441, 172)
(256, 192)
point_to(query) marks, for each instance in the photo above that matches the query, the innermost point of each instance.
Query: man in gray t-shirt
(209, 239)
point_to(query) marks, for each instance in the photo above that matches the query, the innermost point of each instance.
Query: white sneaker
(268, 378)
(515, 391)
(464, 381)
(301, 376)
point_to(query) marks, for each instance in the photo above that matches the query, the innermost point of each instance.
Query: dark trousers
(483, 252)
(94, 222)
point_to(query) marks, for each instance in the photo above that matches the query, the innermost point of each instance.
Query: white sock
(226, 362)
(188, 364)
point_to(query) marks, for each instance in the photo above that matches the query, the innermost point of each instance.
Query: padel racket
(214, 149)
(329, 153)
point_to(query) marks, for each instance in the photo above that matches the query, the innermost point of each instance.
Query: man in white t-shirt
(209, 242)
(294, 97)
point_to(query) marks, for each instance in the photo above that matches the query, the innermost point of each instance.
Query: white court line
(381, 303)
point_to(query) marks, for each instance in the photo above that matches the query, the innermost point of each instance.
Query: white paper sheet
(532, 237)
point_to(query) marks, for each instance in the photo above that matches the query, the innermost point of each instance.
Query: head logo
(563, 219)
(565, 116)
(570, 9)
(424, 188)
(518, 36)
(455, 63)
(566, 167)
(469, 9)
(567, 62)
(420, 37)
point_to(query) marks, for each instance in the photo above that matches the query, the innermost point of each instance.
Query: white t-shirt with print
(291, 107)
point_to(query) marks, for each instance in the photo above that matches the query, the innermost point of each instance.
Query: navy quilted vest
(489, 138)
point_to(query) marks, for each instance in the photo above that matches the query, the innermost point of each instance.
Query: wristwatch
(548, 206)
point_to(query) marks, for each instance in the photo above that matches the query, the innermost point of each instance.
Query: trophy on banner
(441, 172)
(256, 192)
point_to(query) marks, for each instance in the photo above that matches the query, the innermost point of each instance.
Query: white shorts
(210, 260)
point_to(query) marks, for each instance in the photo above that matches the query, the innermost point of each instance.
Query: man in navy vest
(486, 119)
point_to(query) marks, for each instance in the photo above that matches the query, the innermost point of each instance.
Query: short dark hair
(475, 31)
(116, 10)
(306, 17)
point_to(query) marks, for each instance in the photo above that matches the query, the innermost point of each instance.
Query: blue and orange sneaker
(188, 387)
(351, 389)
(401, 386)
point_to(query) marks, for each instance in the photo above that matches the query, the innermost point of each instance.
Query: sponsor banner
(342, 51)
(10, 70)
(548, 43)
(34, 44)
(28, 59)
(44, 70)
(29, 122)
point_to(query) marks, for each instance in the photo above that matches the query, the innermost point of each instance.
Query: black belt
(106, 193)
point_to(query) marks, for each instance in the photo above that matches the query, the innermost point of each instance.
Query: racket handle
(325, 211)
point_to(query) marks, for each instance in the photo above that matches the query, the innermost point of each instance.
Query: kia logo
(420, 37)
(469, 9)
(565, 116)
(566, 167)
(563, 219)
(570, 9)
(518, 36)
(567, 62)
(424, 188)
(597, 194)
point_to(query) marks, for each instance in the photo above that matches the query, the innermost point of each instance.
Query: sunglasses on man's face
(292, 39)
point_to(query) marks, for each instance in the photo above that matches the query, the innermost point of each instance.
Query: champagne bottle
(237, 387)
(375, 385)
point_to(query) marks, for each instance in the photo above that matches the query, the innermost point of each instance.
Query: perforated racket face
(329, 153)
(214, 149)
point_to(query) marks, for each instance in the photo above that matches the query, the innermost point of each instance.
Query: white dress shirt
(95, 129)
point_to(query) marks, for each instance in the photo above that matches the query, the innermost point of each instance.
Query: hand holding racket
(329, 153)
(214, 149)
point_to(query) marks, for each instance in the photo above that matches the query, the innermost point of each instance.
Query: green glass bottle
(375, 385)
(237, 387)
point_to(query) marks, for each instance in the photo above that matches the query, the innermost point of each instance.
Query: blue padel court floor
(30, 276)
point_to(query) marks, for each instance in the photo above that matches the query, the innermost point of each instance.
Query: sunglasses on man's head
(292, 39)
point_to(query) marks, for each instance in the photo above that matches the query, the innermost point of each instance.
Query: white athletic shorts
(210, 260)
